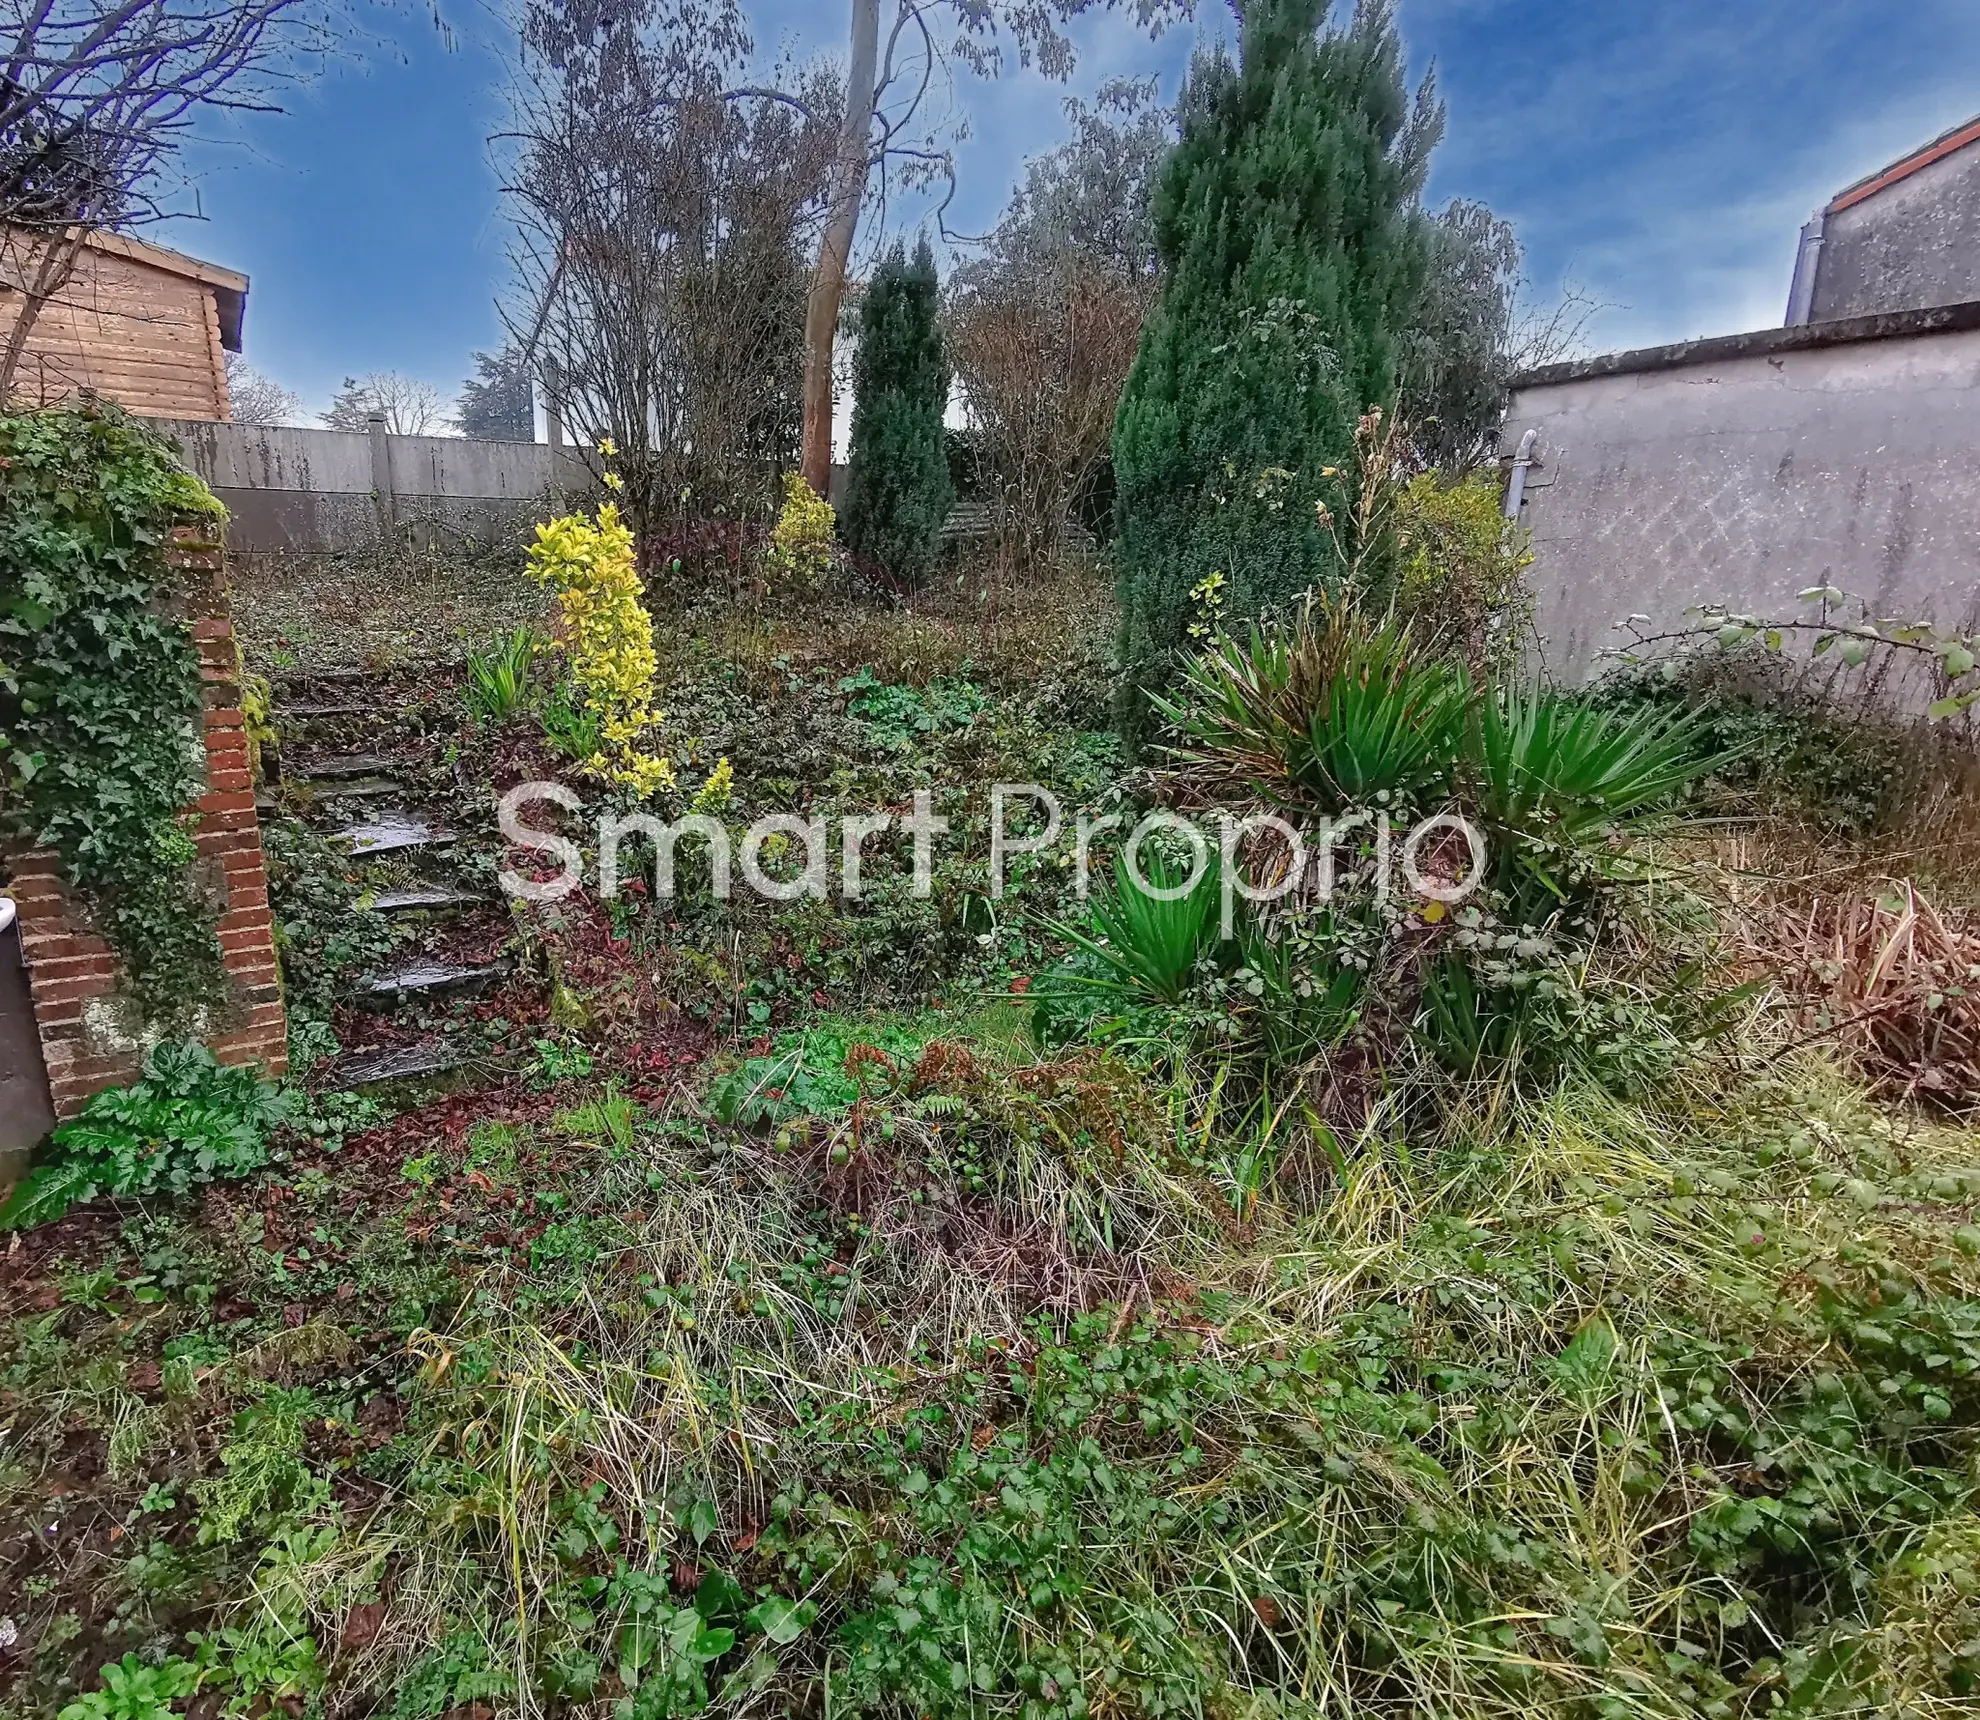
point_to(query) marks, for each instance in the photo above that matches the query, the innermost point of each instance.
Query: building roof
(1948, 143)
(230, 286)
(1765, 343)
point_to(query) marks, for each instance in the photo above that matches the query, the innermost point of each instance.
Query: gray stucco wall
(320, 491)
(1914, 244)
(1746, 471)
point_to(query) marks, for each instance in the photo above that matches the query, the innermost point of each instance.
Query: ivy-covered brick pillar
(87, 1039)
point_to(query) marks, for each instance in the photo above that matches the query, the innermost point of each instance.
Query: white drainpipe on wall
(1522, 464)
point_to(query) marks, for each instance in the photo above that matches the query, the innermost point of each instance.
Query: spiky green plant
(1148, 940)
(1389, 725)
(1555, 778)
(499, 683)
(1329, 712)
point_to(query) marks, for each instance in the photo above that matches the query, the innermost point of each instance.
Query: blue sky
(1661, 154)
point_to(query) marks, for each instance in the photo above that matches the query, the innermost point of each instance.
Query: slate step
(427, 977)
(366, 788)
(347, 765)
(391, 831)
(316, 712)
(325, 678)
(402, 1063)
(412, 901)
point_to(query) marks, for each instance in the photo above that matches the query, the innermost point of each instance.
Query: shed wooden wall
(140, 335)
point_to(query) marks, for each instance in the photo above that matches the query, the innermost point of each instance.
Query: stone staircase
(361, 761)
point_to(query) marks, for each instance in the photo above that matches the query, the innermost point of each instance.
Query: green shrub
(1782, 749)
(898, 488)
(1293, 257)
(1335, 716)
(1460, 569)
(187, 1121)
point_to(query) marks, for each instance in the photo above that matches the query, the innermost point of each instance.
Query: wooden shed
(143, 326)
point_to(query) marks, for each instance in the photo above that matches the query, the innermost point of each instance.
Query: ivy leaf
(703, 1520)
(782, 1620)
(718, 1593)
(1958, 659)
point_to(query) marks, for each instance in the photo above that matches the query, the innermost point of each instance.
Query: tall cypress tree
(898, 492)
(1291, 236)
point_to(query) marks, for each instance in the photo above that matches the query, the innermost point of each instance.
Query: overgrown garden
(1555, 1297)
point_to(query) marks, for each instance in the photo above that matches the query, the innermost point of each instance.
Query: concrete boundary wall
(332, 491)
(1742, 471)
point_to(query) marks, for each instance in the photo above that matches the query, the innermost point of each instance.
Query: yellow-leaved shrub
(1462, 568)
(608, 641)
(802, 543)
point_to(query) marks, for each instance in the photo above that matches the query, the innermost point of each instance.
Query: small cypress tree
(898, 491)
(1291, 237)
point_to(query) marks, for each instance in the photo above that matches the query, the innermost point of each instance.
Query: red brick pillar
(86, 1040)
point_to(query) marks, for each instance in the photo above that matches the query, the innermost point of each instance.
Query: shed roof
(1947, 143)
(230, 286)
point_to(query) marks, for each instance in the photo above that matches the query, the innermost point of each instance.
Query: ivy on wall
(102, 753)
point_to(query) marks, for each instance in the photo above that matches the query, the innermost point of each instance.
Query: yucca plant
(499, 679)
(1146, 947)
(1386, 723)
(1331, 712)
(1556, 777)
(1238, 712)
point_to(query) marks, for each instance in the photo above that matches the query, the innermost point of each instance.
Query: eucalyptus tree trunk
(828, 283)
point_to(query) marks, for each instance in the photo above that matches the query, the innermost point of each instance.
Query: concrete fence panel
(327, 492)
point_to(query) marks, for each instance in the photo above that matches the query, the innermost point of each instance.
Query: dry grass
(1893, 981)
(972, 618)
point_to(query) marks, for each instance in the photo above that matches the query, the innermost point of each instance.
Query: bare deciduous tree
(888, 76)
(96, 98)
(253, 398)
(410, 407)
(1041, 365)
(1043, 327)
(665, 218)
